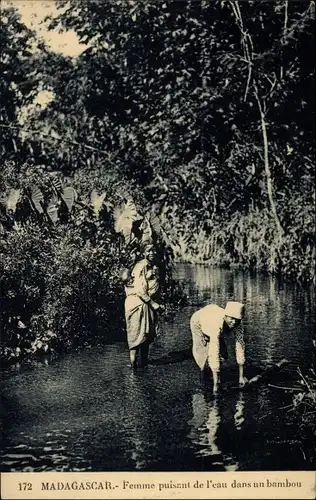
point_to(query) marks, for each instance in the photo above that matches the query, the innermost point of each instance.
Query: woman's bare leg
(144, 350)
(133, 355)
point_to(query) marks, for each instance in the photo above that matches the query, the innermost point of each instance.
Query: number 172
(25, 486)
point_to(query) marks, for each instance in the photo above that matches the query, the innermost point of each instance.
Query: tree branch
(245, 41)
(266, 164)
(284, 30)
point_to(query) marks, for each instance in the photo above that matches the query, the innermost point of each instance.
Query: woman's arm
(240, 354)
(214, 359)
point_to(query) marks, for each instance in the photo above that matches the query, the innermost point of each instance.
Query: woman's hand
(155, 305)
(242, 381)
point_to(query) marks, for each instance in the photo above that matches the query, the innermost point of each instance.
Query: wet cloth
(207, 326)
(141, 319)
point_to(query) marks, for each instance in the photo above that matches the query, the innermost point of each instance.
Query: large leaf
(147, 233)
(57, 184)
(159, 229)
(37, 199)
(69, 196)
(13, 199)
(52, 209)
(155, 223)
(97, 201)
(125, 216)
(156, 227)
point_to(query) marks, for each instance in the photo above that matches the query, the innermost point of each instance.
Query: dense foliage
(62, 255)
(202, 112)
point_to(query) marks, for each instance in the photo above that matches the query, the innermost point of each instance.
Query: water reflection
(208, 428)
(239, 412)
(138, 418)
(205, 424)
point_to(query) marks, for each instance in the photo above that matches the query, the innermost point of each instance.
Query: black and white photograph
(157, 236)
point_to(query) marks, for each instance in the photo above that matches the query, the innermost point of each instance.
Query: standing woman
(141, 289)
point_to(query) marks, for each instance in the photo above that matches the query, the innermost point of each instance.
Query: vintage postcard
(157, 241)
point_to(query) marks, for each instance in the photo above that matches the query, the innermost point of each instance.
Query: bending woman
(141, 307)
(209, 326)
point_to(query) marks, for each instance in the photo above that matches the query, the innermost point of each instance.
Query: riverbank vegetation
(63, 252)
(303, 407)
(198, 116)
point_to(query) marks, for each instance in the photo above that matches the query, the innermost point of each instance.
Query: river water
(87, 411)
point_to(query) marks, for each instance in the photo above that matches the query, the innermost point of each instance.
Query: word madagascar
(75, 485)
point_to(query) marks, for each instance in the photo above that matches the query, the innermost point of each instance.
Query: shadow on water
(88, 411)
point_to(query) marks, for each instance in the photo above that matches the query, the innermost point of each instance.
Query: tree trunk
(268, 171)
